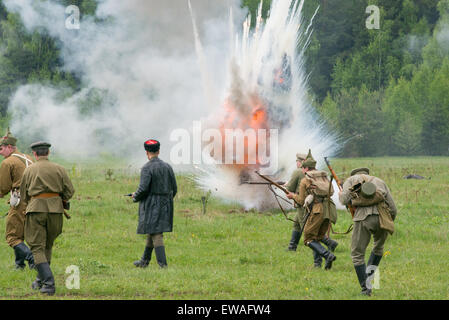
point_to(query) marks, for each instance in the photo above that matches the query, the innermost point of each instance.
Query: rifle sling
(279, 204)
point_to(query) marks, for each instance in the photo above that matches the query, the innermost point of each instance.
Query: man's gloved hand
(308, 200)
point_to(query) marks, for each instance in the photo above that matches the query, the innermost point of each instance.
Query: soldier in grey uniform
(370, 196)
(155, 196)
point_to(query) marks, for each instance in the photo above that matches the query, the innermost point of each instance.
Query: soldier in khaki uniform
(45, 186)
(366, 220)
(293, 186)
(322, 210)
(11, 171)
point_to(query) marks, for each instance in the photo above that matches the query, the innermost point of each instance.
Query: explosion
(266, 92)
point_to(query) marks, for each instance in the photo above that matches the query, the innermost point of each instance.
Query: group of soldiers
(40, 191)
(374, 214)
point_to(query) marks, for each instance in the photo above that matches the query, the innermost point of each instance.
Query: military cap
(359, 171)
(40, 144)
(309, 162)
(152, 145)
(8, 139)
(301, 156)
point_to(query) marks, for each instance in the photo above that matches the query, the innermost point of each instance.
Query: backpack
(319, 183)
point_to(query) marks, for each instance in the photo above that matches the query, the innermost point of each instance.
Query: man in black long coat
(155, 196)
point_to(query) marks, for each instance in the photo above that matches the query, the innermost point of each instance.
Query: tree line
(384, 91)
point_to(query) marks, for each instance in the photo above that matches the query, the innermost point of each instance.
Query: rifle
(304, 221)
(274, 183)
(260, 182)
(340, 187)
(339, 184)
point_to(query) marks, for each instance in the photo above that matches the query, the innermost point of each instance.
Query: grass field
(232, 254)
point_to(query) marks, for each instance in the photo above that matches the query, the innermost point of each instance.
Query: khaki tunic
(293, 186)
(11, 171)
(366, 219)
(46, 177)
(44, 216)
(322, 214)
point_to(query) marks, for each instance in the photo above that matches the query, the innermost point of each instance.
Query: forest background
(385, 90)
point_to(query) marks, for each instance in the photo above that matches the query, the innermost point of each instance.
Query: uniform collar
(41, 158)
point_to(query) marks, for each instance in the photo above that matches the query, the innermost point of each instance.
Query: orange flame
(251, 116)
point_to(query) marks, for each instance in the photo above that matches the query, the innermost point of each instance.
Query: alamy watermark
(373, 279)
(373, 21)
(73, 280)
(226, 146)
(72, 22)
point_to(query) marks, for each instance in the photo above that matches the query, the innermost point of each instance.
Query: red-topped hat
(151, 145)
(151, 141)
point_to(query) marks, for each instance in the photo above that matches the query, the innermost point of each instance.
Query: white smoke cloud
(151, 75)
(140, 55)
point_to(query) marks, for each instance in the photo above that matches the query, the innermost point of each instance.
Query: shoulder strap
(27, 161)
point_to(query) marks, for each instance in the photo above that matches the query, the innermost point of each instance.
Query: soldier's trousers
(361, 236)
(315, 228)
(41, 230)
(15, 224)
(155, 240)
(298, 220)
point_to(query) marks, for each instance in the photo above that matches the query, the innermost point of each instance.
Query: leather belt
(46, 195)
(320, 199)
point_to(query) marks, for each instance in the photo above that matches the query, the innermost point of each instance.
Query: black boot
(25, 254)
(331, 244)
(47, 279)
(145, 260)
(19, 257)
(317, 259)
(361, 275)
(294, 241)
(160, 256)
(329, 256)
(374, 260)
(37, 284)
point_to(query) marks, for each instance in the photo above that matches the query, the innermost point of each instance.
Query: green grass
(232, 254)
